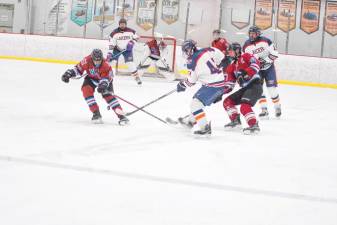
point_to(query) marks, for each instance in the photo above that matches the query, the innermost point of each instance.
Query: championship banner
(240, 18)
(145, 14)
(125, 8)
(81, 11)
(331, 18)
(263, 14)
(58, 11)
(170, 11)
(286, 15)
(104, 12)
(310, 15)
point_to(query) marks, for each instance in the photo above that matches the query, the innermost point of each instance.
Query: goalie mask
(97, 57)
(188, 48)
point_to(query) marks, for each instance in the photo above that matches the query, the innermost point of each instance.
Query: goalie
(153, 55)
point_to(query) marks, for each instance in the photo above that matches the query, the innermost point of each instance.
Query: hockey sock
(274, 96)
(88, 94)
(200, 118)
(114, 104)
(198, 113)
(247, 112)
(230, 108)
(92, 103)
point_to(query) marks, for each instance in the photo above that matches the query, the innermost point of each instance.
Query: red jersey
(104, 71)
(155, 48)
(246, 62)
(221, 44)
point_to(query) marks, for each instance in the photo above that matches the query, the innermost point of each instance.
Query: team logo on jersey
(93, 72)
(258, 50)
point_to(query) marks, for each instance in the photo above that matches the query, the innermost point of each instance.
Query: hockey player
(98, 74)
(121, 42)
(153, 52)
(221, 44)
(243, 70)
(263, 49)
(202, 65)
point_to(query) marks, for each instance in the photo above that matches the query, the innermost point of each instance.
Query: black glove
(181, 86)
(102, 86)
(67, 75)
(242, 77)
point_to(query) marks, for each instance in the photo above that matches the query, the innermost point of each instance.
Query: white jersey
(203, 68)
(121, 38)
(263, 49)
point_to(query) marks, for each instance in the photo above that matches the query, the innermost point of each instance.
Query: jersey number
(213, 68)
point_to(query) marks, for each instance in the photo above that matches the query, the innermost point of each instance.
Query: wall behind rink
(290, 68)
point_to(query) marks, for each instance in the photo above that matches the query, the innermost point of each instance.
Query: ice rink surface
(57, 168)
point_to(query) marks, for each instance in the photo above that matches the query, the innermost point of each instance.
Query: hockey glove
(129, 46)
(67, 75)
(109, 57)
(181, 86)
(242, 77)
(102, 86)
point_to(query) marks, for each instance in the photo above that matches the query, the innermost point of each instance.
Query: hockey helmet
(216, 34)
(97, 56)
(254, 32)
(236, 48)
(189, 47)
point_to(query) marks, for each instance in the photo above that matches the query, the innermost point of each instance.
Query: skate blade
(237, 128)
(264, 117)
(202, 136)
(248, 132)
(123, 123)
(99, 121)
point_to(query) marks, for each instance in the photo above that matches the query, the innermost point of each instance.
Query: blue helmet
(236, 47)
(189, 47)
(254, 29)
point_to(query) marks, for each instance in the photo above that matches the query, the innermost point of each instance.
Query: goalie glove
(103, 86)
(67, 75)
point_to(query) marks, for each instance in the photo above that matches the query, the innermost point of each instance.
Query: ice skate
(139, 82)
(123, 120)
(278, 112)
(264, 114)
(206, 131)
(96, 118)
(236, 123)
(252, 130)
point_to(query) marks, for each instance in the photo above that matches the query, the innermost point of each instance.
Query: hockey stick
(173, 121)
(157, 99)
(150, 114)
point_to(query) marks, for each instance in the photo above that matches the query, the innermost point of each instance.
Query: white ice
(57, 168)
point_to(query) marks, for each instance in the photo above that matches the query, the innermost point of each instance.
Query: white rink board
(289, 67)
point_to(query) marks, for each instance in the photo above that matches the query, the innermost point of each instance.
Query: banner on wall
(263, 14)
(286, 15)
(310, 15)
(104, 12)
(145, 14)
(58, 11)
(170, 11)
(240, 18)
(81, 11)
(331, 18)
(125, 8)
